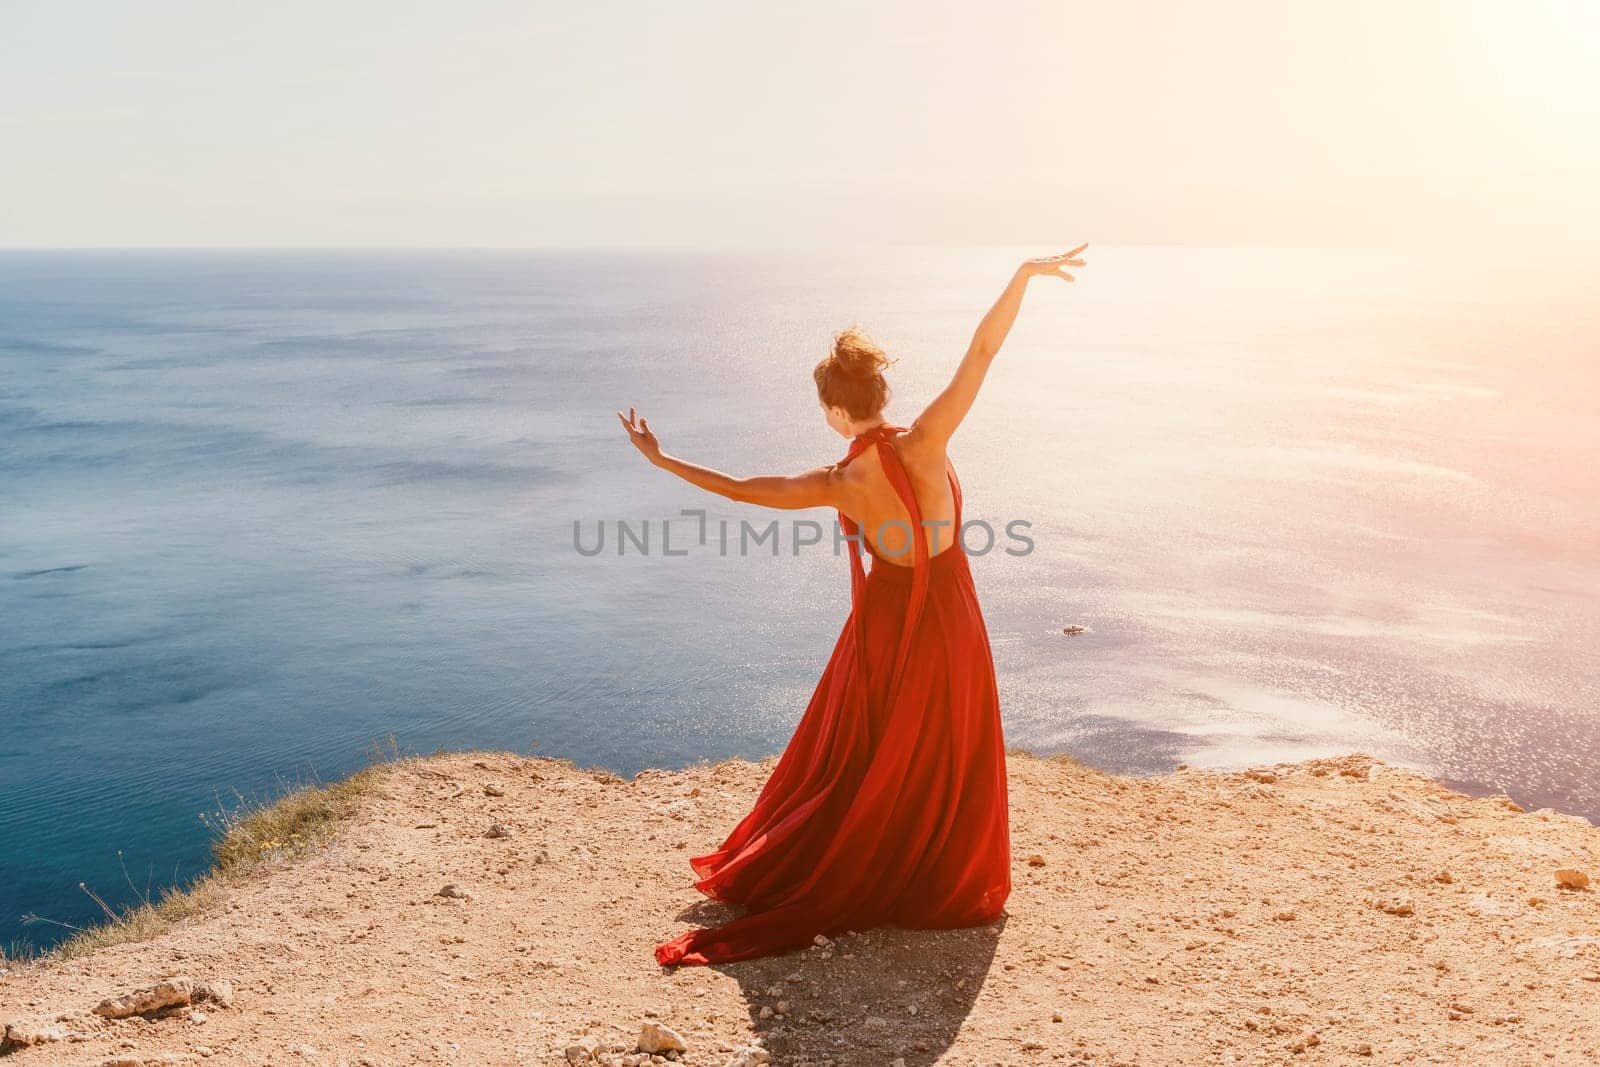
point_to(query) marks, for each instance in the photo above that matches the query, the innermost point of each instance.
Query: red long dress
(888, 804)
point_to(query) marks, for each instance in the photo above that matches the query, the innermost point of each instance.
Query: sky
(475, 123)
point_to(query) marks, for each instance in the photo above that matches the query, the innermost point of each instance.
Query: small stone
(1395, 906)
(1572, 878)
(453, 891)
(497, 829)
(1035, 860)
(1444, 877)
(579, 1054)
(658, 1039)
(1363, 1049)
(167, 993)
(219, 992)
(1305, 1041)
(22, 1035)
(1285, 916)
(493, 790)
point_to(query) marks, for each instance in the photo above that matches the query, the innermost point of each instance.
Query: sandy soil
(1333, 911)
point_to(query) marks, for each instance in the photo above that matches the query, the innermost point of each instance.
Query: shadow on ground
(852, 1003)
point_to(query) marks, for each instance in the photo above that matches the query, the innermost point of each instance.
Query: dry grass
(248, 836)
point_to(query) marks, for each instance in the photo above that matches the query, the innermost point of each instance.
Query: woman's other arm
(941, 418)
(819, 488)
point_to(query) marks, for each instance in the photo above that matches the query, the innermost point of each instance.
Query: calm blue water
(258, 509)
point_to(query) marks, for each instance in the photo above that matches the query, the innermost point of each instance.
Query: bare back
(884, 520)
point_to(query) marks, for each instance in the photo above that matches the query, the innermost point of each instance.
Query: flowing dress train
(888, 805)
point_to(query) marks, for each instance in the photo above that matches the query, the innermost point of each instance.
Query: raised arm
(819, 488)
(939, 421)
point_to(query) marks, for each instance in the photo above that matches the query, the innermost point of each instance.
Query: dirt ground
(1333, 911)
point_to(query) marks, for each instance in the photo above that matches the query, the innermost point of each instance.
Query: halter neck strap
(882, 433)
(882, 437)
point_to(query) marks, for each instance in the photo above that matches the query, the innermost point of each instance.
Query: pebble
(656, 1038)
(1572, 878)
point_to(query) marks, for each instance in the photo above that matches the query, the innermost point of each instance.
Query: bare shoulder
(918, 448)
(846, 481)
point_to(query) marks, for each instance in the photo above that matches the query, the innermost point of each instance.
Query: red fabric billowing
(888, 804)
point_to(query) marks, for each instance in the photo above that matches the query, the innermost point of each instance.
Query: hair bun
(855, 355)
(851, 375)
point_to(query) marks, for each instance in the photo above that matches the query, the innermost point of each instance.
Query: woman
(889, 802)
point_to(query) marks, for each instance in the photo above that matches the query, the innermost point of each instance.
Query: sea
(267, 513)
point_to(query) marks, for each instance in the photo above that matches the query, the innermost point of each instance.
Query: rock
(658, 1039)
(1285, 916)
(1572, 878)
(493, 790)
(1394, 905)
(497, 829)
(1444, 877)
(454, 891)
(1310, 1039)
(219, 992)
(1264, 775)
(167, 993)
(749, 1056)
(579, 1054)
(23, 1035)
(1035, 860)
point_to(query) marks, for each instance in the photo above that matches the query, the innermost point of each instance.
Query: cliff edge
(486, 908)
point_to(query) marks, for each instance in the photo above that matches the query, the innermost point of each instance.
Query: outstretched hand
(640, 434)
(1055, 266)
